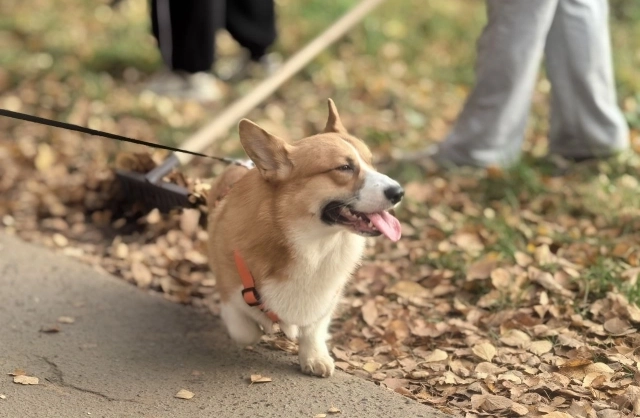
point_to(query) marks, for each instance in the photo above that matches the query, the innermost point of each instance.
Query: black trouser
(185, 29)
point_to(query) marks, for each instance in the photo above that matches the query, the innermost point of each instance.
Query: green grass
(454, 261)
(521, 182)
(604, 276)
(508, 240)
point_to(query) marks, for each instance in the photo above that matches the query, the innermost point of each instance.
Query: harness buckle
(251, 296)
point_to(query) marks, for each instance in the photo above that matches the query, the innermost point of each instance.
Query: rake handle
(211, 132)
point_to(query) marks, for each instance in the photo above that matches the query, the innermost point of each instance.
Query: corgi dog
(286, 237)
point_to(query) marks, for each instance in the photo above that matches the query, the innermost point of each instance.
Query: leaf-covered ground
(512, 292)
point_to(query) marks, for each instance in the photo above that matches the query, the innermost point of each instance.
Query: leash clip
(251, 296)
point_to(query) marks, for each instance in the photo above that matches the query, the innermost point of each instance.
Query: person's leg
(185, 32)
(253, 24)
(490, 128)
(160, 17)
(585, 118)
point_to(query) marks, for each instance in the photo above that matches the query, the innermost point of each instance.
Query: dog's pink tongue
(387, 224)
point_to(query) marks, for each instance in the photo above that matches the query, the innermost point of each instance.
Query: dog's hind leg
(242, 328)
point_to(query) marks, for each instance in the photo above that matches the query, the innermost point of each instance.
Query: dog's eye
(346, 167)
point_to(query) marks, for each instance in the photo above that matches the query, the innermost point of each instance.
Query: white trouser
(585, 118)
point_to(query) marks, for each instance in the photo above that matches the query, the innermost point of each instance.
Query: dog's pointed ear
(269, 153)
(334, 124)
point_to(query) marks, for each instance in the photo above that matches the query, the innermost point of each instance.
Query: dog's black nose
(394, 194)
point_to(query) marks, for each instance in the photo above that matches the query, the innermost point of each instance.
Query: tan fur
(243, 222)
(271, 216)
(223, 183)
(250, 226)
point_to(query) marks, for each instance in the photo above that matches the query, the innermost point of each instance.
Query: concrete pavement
(128, 353)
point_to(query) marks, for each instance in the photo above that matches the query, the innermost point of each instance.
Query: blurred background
(399, 78)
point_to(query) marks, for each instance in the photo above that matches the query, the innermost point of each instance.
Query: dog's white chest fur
(322, 265)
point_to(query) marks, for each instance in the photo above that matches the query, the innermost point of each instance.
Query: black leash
(78, 128)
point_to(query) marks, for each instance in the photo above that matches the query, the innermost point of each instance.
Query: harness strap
(250, 293)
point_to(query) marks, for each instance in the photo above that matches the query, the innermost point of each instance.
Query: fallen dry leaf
(256, 378)
(141, 274)
(26, 380)
(485, 368)
(581, 409)
(371, 366)
(510, 376)
(557, 414)
(519, 409)
(50, 329)
(358, 344)
(610, 413)
(632, 311)
(598, 368)
(370, 312)
(184, 394)
(490, 403)
(408, 290)
(617, 326)
(66, 320)
(481, 269)
(594, 379)
(419, 374)
(522, 259)
(540, 347)
(486, 351)
(501, 278)
(17, 372)
(333, 410)
(468, 241)
(436, 355)
(45, 157)
(580, 371)
(576, 362)
(546, 280)
(395, 383)
(189, 219)
(60, 240)
(515, 338)
(632, 395)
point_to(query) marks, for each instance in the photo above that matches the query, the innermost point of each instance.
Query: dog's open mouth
(367, 224)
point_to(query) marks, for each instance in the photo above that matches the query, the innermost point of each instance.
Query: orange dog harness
(250, 293)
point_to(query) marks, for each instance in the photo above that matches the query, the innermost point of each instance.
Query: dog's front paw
(320, 365)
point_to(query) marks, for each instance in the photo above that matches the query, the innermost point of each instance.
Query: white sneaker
(432, 155)
(202, 87)
(242, 67)
(413, 156)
